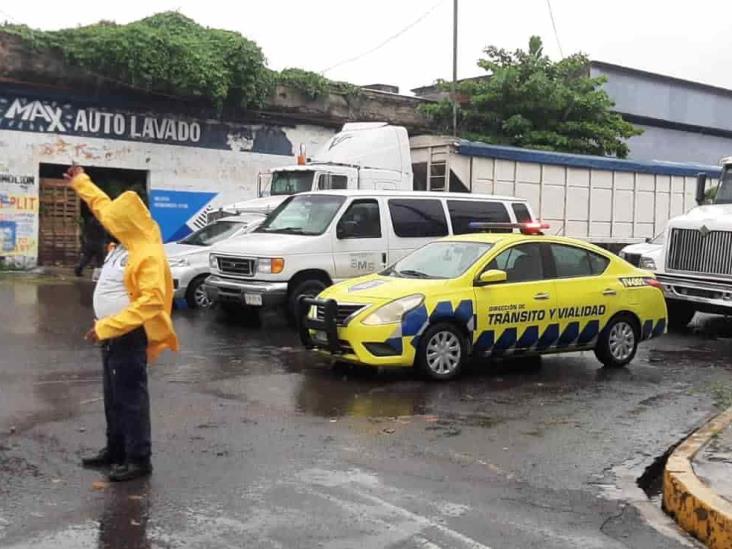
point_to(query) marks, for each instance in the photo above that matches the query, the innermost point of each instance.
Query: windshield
(724, 191)
(304, 214)
(213, 232)
(291, 182)
(439, 260)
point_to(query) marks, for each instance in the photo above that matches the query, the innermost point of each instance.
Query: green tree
(530, 101)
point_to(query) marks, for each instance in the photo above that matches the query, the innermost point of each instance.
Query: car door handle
(383, 258)
(542, 296)
(609, 291)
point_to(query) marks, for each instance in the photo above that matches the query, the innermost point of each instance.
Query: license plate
(253, 299)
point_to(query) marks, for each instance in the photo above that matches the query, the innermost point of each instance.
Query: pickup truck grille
(692, 251)
(236, 266)
(344, 311)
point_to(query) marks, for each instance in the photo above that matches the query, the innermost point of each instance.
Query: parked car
(188, 258)
(632, 253)
(315, 239)
(487, 296)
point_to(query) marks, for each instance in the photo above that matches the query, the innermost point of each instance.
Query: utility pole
(454, 65)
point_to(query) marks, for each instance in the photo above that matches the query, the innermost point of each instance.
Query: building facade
(182, 165)
(683, 121)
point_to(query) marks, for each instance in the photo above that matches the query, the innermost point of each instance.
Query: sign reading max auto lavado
(61, 117)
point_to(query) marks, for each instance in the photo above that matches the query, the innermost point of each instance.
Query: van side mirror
(491, 276)
(701, 183)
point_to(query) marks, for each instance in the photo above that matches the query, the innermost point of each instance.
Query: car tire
(196, 297)
(310, 287)
(618, 342)
(680, 314)
(442, 352)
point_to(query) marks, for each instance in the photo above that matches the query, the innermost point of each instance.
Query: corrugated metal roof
(475, 148)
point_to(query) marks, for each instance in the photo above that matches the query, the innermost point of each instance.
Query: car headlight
(647, 263)
(178, 262)
(392, 312)
(212, 261)
(270, 265)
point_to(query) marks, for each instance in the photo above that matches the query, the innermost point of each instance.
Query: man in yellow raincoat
(132, 303)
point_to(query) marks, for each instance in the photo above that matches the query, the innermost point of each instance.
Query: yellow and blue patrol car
(488, 295)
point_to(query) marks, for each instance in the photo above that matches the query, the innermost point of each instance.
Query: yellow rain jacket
(147, 274)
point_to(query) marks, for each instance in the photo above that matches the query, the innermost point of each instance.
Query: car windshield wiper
(285, 230)
(411, 273)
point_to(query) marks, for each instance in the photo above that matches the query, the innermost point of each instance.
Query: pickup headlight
(178, 261)
(212, 263)
(270, 265)
(392, 312)
(647, 263)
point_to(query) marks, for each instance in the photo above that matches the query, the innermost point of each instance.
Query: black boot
(130, 471)
(103, 458)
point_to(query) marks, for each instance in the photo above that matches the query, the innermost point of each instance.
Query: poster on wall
(18, 217)
(179, 212)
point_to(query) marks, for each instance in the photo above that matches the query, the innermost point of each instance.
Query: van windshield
(291, 182)
(447, 259)
(303, 214)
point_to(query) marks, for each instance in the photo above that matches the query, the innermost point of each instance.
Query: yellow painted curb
(695, 506)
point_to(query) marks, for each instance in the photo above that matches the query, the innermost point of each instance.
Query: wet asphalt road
(260, 444)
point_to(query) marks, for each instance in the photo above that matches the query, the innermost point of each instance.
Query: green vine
(315, 85)
(171, 54)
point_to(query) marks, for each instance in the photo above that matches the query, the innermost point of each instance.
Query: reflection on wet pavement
(251, 432)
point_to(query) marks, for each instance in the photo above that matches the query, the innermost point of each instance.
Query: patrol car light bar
(532, 227)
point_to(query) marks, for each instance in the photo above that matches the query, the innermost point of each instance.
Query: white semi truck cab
(362, 156)
(695, 267)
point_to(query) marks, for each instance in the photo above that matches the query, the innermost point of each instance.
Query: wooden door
(59, 224)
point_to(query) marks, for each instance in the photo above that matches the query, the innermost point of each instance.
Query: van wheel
(310, 288)
(442, 352)
(618, 342)
(680, 314)
(196, 296)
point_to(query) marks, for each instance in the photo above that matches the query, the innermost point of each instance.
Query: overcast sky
(689, 40)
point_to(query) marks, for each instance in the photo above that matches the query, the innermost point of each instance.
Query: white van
(315, 239)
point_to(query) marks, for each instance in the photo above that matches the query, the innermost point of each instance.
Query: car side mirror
(491, 276)
(701, 183)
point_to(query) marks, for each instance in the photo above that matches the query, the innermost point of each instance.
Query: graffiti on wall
(18, 215)
(59, 116)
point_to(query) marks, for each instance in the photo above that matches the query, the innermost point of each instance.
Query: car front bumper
(246, 292)
(355, 342)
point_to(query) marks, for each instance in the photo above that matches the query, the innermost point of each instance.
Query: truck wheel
(196, 296)
(680, 314)
(618, 342)
(442, 352)
(310, 288)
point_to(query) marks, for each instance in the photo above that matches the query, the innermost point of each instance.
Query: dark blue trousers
(126, 400)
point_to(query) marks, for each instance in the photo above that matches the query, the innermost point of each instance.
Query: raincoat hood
(129, 220)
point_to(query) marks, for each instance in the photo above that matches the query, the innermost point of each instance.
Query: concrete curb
(694, 505)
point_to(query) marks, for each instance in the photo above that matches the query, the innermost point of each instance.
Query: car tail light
(653, 282)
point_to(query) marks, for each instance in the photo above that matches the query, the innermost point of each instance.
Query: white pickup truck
(695, 267)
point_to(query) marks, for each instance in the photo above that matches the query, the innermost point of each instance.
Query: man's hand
(72, 172)
(91, 336)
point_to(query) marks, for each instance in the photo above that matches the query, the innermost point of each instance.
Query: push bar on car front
(326, 325)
